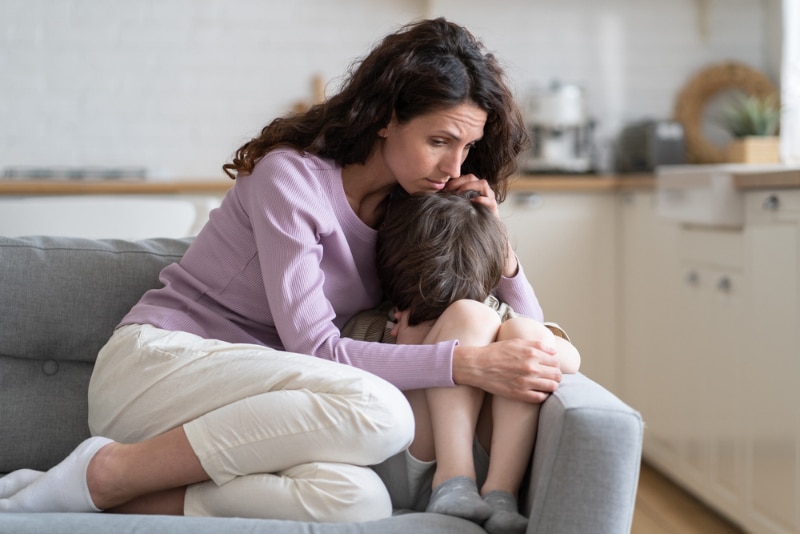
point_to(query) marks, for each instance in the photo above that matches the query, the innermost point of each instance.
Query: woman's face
(426, 152)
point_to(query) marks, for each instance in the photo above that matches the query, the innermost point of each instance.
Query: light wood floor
(664, 508)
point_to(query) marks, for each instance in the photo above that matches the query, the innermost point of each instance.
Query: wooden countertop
(219, 186)
(768, 180)
(113, 187)
(523, 182)
(580, 183)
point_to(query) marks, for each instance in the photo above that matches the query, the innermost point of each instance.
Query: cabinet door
(566, 243)
(707, 346)
(771, 369)
(649, 370)
(683, 303)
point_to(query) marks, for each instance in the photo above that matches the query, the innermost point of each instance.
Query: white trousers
(281, 435)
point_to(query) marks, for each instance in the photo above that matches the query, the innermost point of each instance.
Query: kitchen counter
(581, 183)
(185, 186)
(522, 182)
(113, 187)
(766, 180)
(776, 179)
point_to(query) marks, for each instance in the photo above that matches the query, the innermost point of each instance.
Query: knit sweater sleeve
(290, 213)
(518, 293)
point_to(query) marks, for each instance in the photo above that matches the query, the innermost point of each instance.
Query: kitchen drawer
(714, 247)
(772, 204)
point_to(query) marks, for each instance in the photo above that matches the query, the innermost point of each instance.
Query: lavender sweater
(285, 262)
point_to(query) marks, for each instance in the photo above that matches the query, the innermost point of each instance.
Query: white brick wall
(631, 56)
(177, 85)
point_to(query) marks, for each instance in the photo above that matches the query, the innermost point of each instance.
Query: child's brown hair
(436, 248)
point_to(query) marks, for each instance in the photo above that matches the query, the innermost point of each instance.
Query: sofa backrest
(60, 299)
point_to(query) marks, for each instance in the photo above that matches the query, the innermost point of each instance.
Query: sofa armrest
(585, 467)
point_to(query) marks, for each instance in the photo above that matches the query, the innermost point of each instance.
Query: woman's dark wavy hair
(426, 66)
(435, 249)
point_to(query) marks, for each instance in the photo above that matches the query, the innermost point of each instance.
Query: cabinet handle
(771, 203)
(692, 278)
(724, 284)
(528, 200)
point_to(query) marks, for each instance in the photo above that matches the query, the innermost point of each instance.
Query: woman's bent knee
(389, 421)
(357, 494)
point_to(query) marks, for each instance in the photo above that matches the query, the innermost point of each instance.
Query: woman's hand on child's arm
(515, 368)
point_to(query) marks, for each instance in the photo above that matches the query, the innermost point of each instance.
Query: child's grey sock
(459, 497)
(505, 518)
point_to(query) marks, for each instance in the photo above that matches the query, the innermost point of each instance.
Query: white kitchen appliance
(560, 130)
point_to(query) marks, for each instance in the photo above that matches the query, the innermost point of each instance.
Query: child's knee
(472, 314)
(525, 328)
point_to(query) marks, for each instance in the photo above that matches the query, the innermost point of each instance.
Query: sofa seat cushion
(130, 524)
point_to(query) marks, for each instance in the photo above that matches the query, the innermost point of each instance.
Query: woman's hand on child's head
(410, 335)
(470, 182)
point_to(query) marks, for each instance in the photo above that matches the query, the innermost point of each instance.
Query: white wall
(790, 85)
(631, 56)
(178, 85)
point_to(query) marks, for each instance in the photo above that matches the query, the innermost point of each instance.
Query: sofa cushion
(60, 299)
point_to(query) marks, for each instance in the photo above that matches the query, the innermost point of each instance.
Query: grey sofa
(60, 299)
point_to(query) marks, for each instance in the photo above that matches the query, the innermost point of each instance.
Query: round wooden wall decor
(704, 86)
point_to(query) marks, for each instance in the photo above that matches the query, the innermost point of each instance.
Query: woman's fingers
(470, 182)
(518, 369)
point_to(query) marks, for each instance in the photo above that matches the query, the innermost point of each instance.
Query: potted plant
(753, 122)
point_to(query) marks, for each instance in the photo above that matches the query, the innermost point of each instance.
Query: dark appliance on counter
(560, 130)
(74, 173)
(645, 145)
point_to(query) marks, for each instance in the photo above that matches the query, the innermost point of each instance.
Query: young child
(441, 254)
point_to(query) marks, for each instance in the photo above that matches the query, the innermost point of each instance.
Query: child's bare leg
(422, 448)
(514, 423)
(454, 414)
(514, 426)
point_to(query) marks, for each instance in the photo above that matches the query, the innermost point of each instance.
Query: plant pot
(755, 150)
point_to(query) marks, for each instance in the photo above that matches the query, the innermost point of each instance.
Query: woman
(207, 388)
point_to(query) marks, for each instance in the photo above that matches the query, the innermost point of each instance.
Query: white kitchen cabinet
(647, 367)
(567, 245)
(710, 339)
(680, 286)
(106, 216)
(771, 366)
(712, 298)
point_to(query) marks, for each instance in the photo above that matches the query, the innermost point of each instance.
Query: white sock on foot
(13, 482)
(63, 488)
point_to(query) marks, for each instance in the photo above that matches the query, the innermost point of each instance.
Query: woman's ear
(383, 133)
